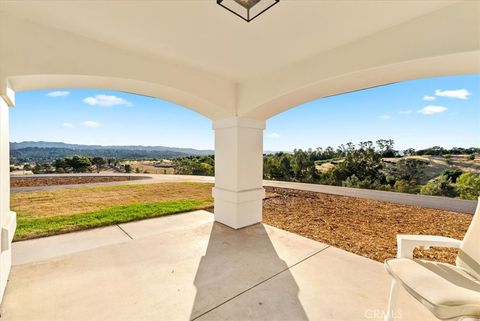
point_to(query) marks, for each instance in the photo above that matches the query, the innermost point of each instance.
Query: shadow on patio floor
(231, 258)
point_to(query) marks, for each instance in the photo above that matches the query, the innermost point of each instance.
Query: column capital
(6, 92)
(241, 122)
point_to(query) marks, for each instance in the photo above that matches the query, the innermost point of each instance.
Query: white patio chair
(450, 292)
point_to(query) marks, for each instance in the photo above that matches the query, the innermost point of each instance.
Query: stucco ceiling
(202, 34)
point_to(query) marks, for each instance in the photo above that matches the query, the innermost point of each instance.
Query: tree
(42, 168)
(47, 168)
(285, 166)
(79, 164)
(386, 147)
(61, 165)
(195, 165)
(278, 167)
(37, 169)
(468, 186)
(99, 163)
(128, 168)
(411, 170)
(303, 167)
(365, 163)
(433, 151)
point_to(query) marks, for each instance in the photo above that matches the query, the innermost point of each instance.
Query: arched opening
(86, 137)
(401, 143)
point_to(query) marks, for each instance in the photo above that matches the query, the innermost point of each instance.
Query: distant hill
(49, 151)
(189, 151)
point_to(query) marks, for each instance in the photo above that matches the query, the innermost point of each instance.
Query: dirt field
(436, 164)
(148, 167)
(364, 227)
(49, 181)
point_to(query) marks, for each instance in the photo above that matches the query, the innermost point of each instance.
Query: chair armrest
(407, 243)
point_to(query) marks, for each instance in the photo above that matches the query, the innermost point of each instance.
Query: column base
(238, 209)
(8, 230)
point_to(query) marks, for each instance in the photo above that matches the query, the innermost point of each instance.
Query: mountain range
(41, 151)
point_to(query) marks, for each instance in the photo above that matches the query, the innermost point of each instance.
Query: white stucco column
(7, 217)
(238, 190)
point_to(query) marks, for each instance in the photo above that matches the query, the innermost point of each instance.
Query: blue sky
(421, 113)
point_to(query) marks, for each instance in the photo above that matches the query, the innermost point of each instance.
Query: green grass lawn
(37, 227)
(54, 212)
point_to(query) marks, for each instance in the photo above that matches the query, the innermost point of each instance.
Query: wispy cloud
(384, 117)
(55, 94)
(405, 112)
(429, 98)
(67, 125)
(431, 110)
(273, 136)
(106, 101)
(458, 94)
(91, 124)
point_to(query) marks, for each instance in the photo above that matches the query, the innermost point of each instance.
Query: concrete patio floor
(186, 267)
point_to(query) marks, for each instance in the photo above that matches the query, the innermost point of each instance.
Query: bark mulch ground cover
(364, 227)
(50, 181)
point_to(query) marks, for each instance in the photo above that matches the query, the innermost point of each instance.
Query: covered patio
(238, 74)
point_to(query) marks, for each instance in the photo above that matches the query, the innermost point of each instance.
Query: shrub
(351, 181)
(390, 180)
(468, 186)
(452, 174)
(401, 186)
(354, 181)
(441, 186)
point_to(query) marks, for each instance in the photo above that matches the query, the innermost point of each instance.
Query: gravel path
(146, 179)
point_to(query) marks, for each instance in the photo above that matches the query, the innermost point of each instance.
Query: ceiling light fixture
(247, 9)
